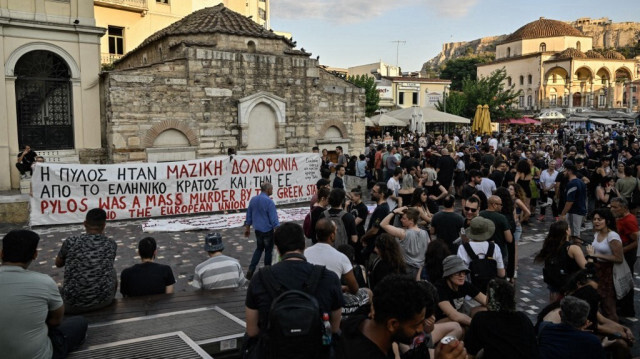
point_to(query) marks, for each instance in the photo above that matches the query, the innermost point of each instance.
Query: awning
(520, 121)
(576, 119)
(603, 121)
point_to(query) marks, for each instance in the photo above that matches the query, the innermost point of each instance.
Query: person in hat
(148, 277)
(479, 232)
(219, 271)
(452, 290)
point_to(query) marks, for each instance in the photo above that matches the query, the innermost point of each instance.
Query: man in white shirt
(493, 143)
(479, 233)
(393, 184)
(487, 186)
(548, 186)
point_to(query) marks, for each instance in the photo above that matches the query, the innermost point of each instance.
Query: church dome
(543, 28)
(614, 55)
(571, 53)
(594, 55)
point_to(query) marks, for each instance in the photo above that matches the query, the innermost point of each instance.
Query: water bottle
(326, 334)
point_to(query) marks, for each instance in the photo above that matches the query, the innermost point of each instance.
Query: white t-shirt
(487, 186)
(324, 254)
(494, 144)
(480, 249)
(394, 186)
(604, 247)
(548, 180)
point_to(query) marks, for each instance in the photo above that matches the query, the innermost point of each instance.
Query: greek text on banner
(63, 193)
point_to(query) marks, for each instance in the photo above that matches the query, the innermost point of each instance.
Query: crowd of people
(430, 272)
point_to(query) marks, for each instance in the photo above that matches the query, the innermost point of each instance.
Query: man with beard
(379, 194)
(401, 307)
(498, 175)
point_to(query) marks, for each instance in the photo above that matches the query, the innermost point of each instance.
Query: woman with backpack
(561, 258)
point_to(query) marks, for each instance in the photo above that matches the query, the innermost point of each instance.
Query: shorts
(575, 223)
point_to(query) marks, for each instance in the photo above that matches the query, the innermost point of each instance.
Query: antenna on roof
(398, 42)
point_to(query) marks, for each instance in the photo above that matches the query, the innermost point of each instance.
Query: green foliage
(372, 96)
(458, 69)
(456, 103)
(491, 91)
(488, 90)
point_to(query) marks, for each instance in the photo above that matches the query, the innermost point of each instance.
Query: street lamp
(444, 97)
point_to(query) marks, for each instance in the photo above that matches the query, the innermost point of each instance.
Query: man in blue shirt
(263, 216)
(569, 339)
(575, 206)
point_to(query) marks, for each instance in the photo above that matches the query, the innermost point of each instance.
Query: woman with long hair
(436, 252)
(509, 212)
(524, 178)
(558, 245)
(521, 210)
(605, 192)
(607, 247)
(389, 260)
(419, 202)
(408, 186)
(435, 191)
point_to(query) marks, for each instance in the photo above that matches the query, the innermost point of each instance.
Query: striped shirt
(219, 272)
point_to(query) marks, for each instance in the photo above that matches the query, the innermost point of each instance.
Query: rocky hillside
(605, 33)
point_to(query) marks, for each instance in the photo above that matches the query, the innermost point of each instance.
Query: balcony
(139, 6)
(108, 59)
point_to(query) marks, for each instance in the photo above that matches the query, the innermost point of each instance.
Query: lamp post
(444, 97)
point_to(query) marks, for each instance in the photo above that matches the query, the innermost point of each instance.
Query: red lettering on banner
(112, 203)
(63, 206)
(311, 189)
(290, 192)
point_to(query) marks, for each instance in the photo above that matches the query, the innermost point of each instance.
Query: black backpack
(482, 270)
(554, 273)
(295, 327)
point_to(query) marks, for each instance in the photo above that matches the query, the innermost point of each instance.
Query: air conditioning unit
(579, 110)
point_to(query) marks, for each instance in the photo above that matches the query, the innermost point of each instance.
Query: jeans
(67, 336)
(517, 233)
(264, 241)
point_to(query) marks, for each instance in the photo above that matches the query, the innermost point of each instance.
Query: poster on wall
(63, 193)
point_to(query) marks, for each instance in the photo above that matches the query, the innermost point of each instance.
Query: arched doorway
(263, 131)
(44, 101)
(577, 99)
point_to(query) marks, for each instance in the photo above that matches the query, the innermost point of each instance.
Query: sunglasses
(469, 209)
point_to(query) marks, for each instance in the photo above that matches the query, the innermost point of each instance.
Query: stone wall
(197, 93)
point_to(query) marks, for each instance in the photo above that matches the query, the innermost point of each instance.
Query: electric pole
(398, 42)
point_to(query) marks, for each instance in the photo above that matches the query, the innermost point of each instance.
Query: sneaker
(541, 218)
(249, 275)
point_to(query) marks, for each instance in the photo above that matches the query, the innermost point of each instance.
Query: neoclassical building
(217, 80)
(554, 65)
(49, 98)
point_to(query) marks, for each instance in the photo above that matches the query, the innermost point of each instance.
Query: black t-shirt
(145, 279)
(447, 165)
(316, 211)
(293, 274)
(355, 345)
(501, 335)
(498, 178)
(29, 158)
(456, 298)
(381, 211)
(447, 226)
(468, 191)
(338, 183)
(359, 210)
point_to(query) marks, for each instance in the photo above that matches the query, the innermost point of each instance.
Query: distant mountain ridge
(605, 34)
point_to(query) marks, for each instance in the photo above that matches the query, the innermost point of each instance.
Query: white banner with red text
(63, 193)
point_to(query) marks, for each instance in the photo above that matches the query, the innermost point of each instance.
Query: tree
(458, 69)
(371, 92)
(491, 91)
(456, 103)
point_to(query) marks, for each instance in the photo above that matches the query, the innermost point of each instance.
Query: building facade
(554, 65)
(184, 94)
(130, 22)
(49, 99)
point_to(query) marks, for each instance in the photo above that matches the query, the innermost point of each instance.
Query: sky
(347, 33)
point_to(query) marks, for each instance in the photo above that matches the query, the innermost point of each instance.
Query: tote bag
(622, 279)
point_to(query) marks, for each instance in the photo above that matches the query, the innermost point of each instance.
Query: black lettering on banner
(258, 180)
(93, 189)
(284, 177)
(44, 173)
(238, 182)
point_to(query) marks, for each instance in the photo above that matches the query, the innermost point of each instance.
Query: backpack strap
(492, 247)
(311, 285)
(271, 284)
(470, 252)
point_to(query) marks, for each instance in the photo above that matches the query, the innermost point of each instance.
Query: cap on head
(452, 265)
(213, 242)
(480, 229)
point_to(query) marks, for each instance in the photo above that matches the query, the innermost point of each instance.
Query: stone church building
(216, 80)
